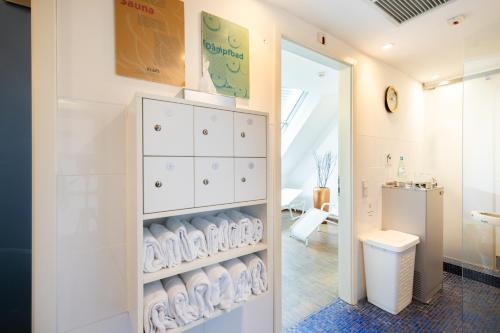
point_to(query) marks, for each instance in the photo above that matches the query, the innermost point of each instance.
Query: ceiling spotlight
(388, 46)
(456, 21)
(435, 77)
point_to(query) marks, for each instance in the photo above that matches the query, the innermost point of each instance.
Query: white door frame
(43, 111)
(347, 286)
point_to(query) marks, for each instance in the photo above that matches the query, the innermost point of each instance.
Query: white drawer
(214, 181)
(167, 128)
(168, 183)
(249, 135)
(249, 179)
(213, 132)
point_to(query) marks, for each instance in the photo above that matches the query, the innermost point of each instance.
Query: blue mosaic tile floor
(481, 313)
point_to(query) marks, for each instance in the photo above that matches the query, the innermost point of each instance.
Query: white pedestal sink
(492, 219)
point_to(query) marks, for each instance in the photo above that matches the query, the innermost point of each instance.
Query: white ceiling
(301, 72)
(424, 46)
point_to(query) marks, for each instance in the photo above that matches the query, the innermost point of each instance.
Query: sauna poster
(225, 56)
(149, 41)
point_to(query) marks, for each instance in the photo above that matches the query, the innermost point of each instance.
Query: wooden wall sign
(149, 40)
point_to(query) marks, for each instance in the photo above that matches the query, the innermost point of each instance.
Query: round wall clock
(391, 99)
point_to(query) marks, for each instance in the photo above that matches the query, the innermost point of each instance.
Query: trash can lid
(391, 240)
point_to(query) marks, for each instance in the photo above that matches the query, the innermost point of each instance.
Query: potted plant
(325, 163)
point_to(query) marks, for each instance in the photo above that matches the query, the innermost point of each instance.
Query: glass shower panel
(481, 168)
(481, 182)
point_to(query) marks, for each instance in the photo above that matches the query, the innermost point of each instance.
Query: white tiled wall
(90, 215)
(91, 138)
(118, 324)
(380, 133)
(86, 55)
(90, 212)
(444, 150)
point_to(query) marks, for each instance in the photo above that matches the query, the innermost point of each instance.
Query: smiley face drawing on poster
(225, 53)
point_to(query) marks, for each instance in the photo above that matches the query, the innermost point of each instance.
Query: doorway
(315, 132)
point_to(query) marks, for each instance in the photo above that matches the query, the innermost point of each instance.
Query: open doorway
(315, 163)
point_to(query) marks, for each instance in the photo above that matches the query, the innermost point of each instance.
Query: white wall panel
(443, 149)
(90, 138)
(90, 247)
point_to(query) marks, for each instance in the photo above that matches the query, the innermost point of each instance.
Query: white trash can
(389, 258)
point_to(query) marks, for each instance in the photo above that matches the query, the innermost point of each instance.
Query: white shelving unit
(187, 158)
(189, 266)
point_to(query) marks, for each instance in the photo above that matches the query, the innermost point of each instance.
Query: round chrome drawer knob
(157, 127)
(243, 180)
(243, 134)
(205, 132)
(205, 181)
(158, 184)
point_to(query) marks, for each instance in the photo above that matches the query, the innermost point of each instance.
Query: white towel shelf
(182, 155)
(205, 209)
(200, 263)
(217, 313)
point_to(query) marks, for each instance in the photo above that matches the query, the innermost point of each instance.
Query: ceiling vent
(404, 10)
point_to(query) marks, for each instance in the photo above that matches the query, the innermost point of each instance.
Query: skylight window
(291, 99)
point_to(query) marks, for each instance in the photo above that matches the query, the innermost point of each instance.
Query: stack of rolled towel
(168, 244)
(180, 300)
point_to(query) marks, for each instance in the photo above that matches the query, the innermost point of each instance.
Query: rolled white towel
(246, 226)
(258, 228)
(223, 227)
(153, 256)
(234, 231)
(178, 227)
(234, 235)
(241, 280)
(184, 312)
(157, 315)
(211, 233)
(169, 244)
(257, 271)
(222, 286)
(199, 291)
(197, 238)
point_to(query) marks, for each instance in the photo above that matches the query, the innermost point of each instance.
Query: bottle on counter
(402, 176)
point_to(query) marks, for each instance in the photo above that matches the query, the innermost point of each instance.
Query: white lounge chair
(309, 222)
(289, 201)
